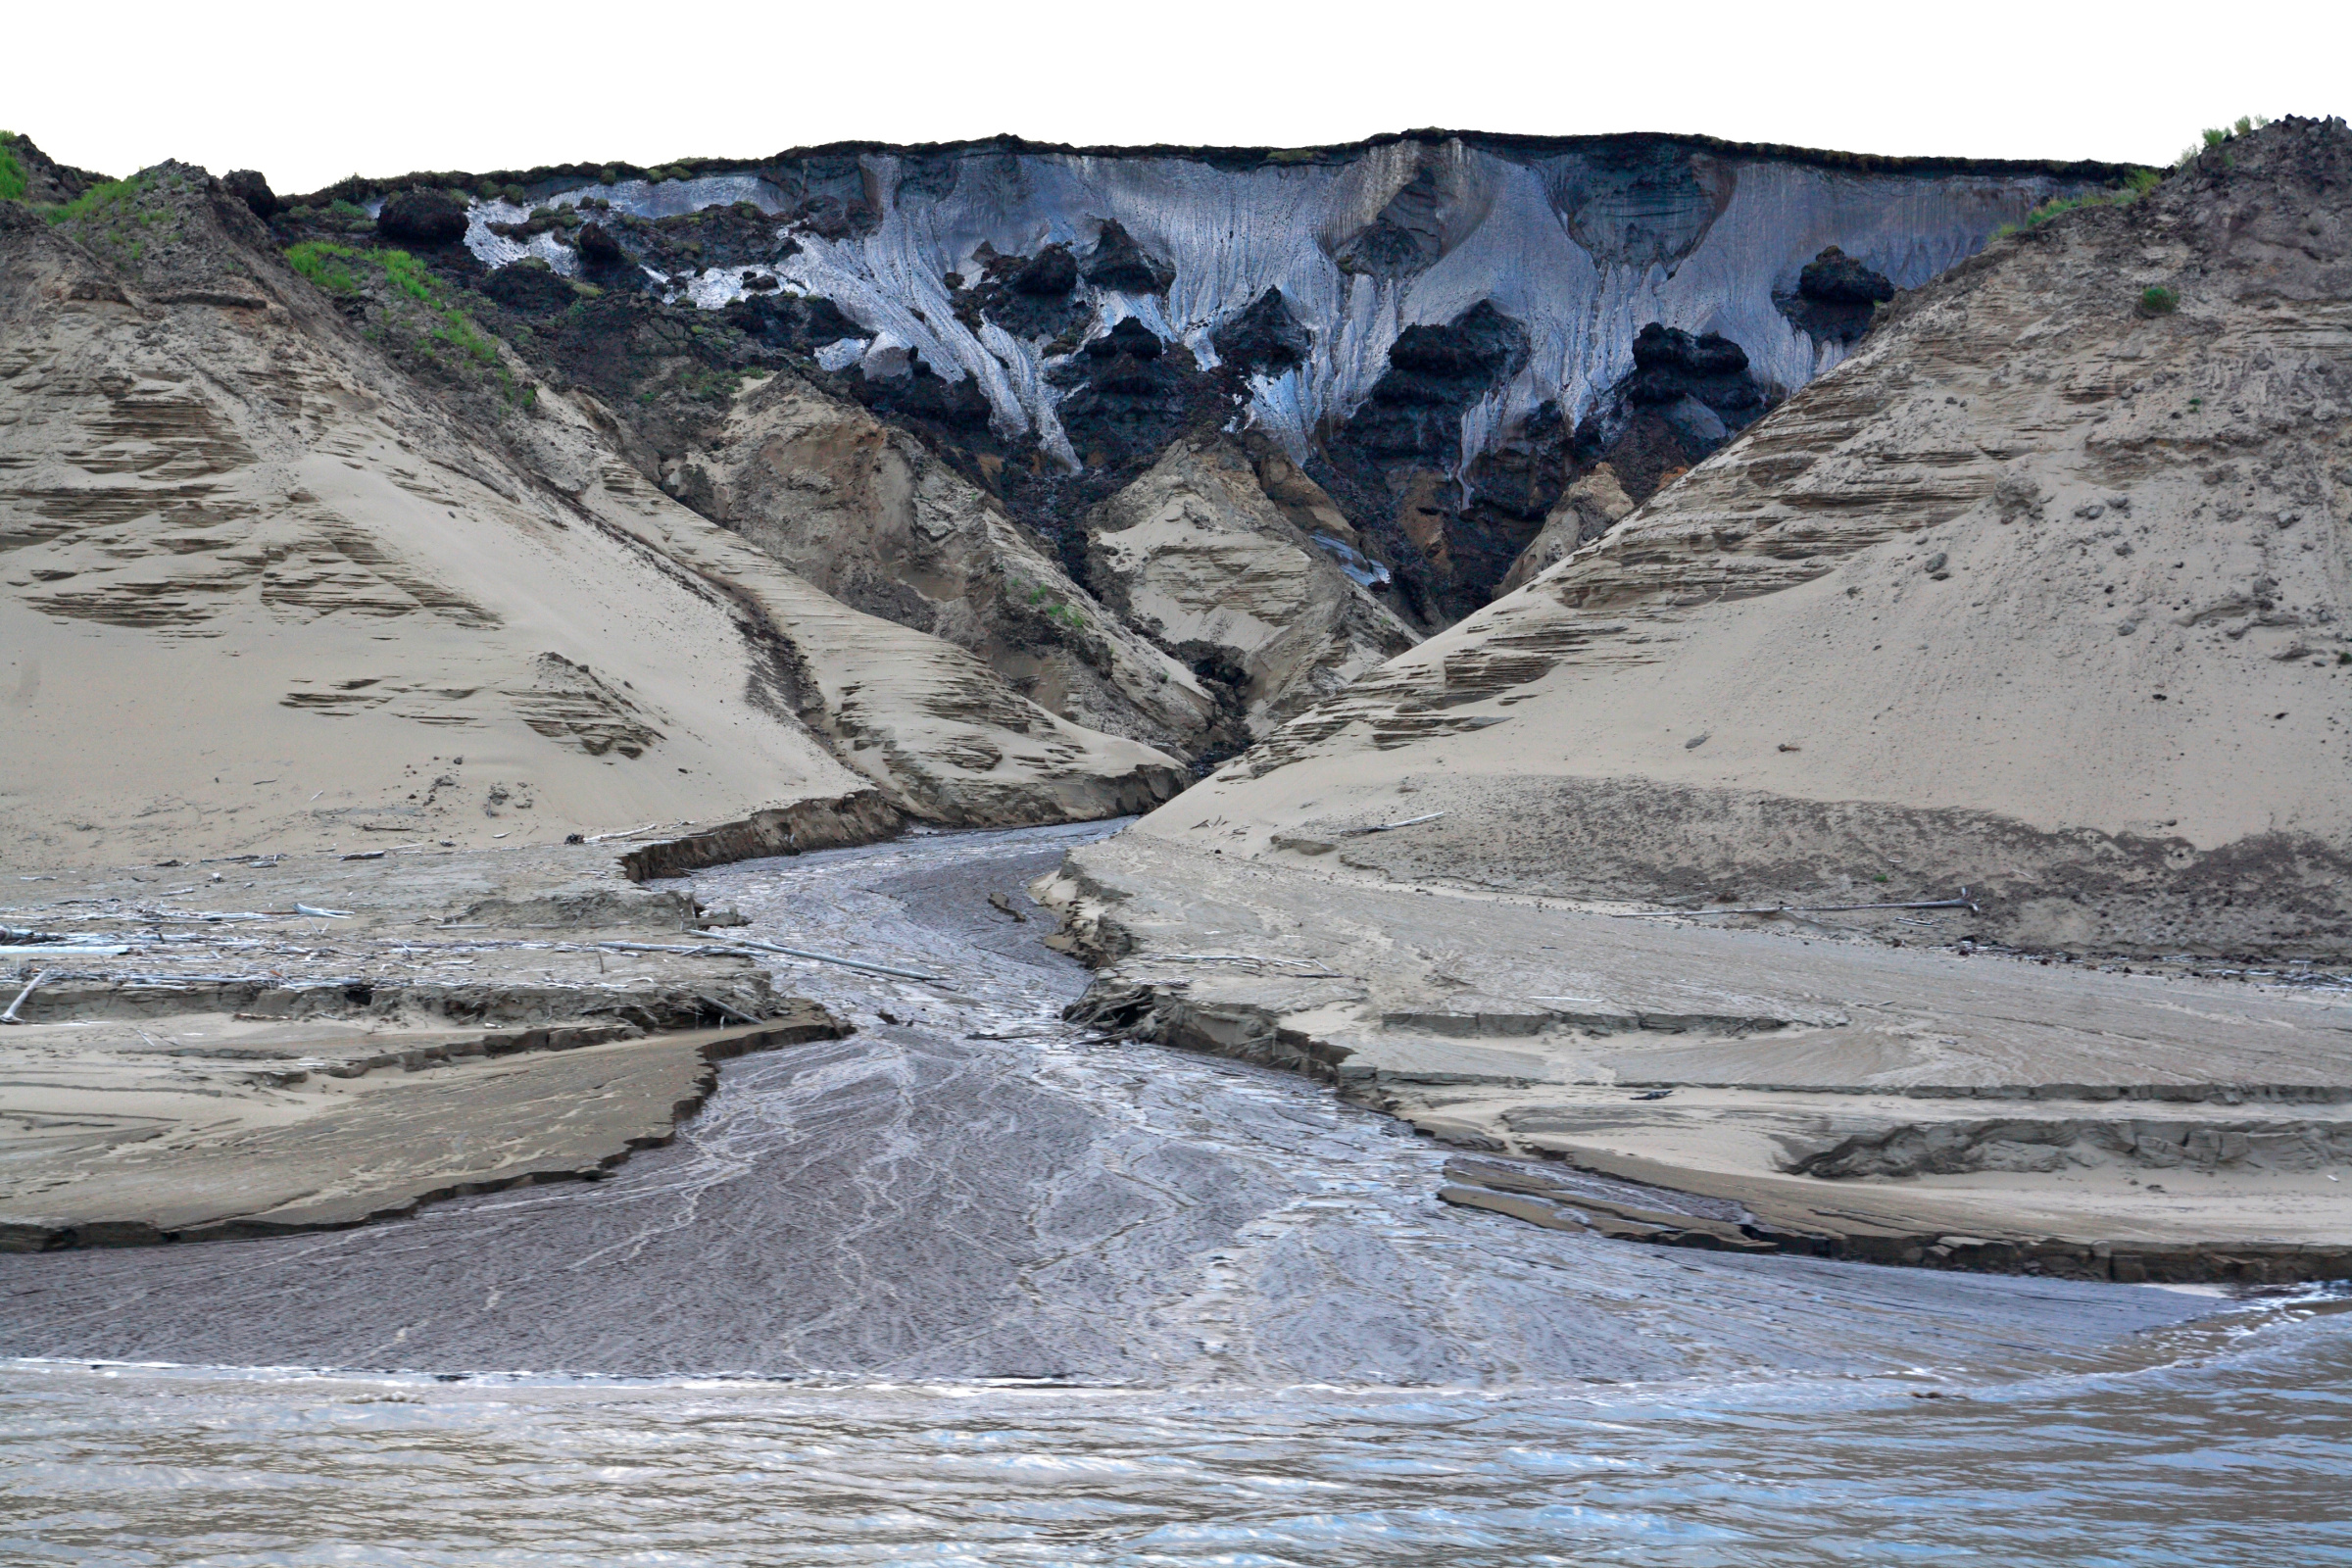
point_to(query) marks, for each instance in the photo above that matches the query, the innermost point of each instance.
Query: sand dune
(2041, 594)
(261, 591)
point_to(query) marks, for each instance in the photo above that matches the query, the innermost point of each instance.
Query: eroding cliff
(1424, 320)
(293, 555)
(2040, 594)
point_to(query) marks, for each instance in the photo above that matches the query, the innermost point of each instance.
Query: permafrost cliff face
(1581, 247)
(1175, 442)
(1441, 327)
(2041, 594)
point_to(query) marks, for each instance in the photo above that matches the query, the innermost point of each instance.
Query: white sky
(311, 92)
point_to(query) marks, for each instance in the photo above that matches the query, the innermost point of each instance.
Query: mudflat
(306, 1042)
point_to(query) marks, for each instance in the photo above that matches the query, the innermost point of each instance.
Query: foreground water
(971, 1288)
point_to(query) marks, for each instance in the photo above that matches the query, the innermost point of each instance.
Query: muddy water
(971, 1287)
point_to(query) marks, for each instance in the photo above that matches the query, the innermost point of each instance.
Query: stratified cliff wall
(1444, 329)
(2040, 594)
(1582, 245)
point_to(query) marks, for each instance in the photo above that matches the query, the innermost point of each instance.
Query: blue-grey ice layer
(1568, 243)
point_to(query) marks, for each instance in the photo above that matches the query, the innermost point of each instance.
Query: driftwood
(735, 946)
(322, 914)
(285, 982)
(835, 958)
(202, 917)
(724, 1009)
(1391, 827)
(9, 1017)
(1810, 908)
(23, 942)
(57, 949)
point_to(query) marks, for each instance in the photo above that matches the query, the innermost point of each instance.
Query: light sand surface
(1838, 1089)
(203, 1131)
(2036, 595)
(202, 1060)
(1199, 549)
(261, 591)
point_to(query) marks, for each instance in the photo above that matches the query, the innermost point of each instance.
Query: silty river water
(974, 1287)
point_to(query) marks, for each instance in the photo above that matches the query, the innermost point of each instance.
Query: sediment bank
(309, 1043)
(1847, 1098)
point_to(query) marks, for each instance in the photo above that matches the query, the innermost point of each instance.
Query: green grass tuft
(323, 264)
(13, 182)
(2157, 300)
(458, 331)
(407, 274)
(333, 269)
(99, 201)
(1051, 605)
(2216, 136)
(2136, 184)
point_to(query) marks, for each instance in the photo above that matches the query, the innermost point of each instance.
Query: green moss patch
(13, 180)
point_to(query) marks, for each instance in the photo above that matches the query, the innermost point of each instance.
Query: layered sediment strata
(873, 518)
(1052, 319)
(920, 380)
(1790, 1091)
(2020, 629)
(268, 580)
(250, 1132)
(1199, 554)
(354, 1038)
(2039, 595)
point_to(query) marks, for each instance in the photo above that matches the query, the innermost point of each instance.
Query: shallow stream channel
(974, 1286)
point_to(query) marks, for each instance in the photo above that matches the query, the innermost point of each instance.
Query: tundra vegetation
(2216, 137)
(347, 271)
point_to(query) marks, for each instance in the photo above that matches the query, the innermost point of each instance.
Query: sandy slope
(1199, 552)
(2038, 594)
(869, 516)
(257, 590)
(1194, 560)
(1850, 1099)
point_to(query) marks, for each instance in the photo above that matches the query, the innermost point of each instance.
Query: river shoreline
(501, 987)
(972, 1186)
(1849, 1099)
(976, 1283)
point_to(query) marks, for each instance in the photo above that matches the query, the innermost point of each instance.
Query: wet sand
(204, 1060)
(973, 1187)
(1905, 1105)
